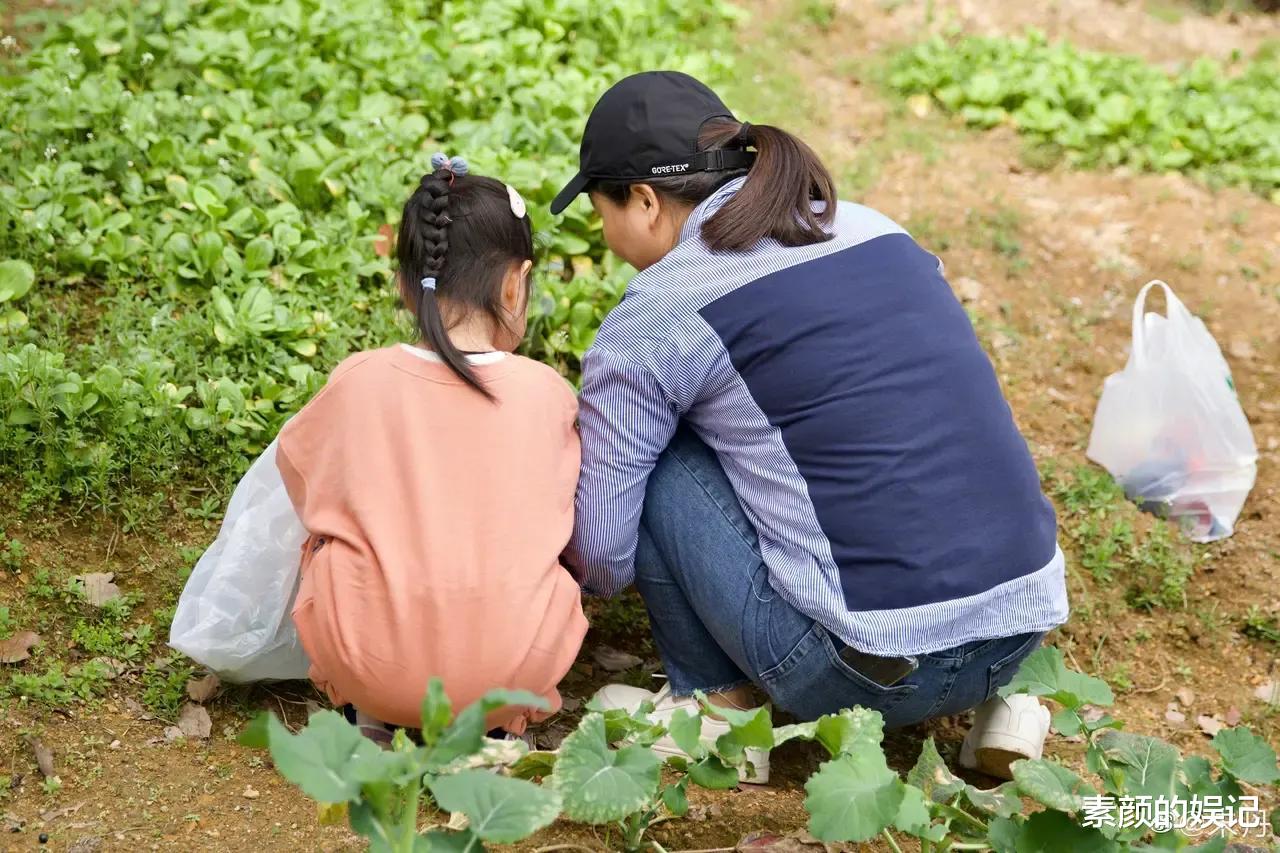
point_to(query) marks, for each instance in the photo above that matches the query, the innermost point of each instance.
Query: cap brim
(571, 191)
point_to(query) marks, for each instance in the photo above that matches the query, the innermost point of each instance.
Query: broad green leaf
(1246, 756)
(534, 765)
(1002, 835)
(713, 773)
(752, 728)
(686, 730)
(258, 253)
(256, 735)
(1001, 802)
(1051, 784)
(851, 730)
(1150, 765)
(1044, 673)
(599, 784)
(1055, 832)
(498, 809)
(913, 815)
(853, 797)
(931, 775)
(16, 278)
(794, 731)
(465, 736)
(1068, 722)
(12, 321)
(1196, 775)
(319, 759)
(675, 799)
(437, 712)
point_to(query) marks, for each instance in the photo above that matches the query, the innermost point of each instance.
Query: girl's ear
(515, 287)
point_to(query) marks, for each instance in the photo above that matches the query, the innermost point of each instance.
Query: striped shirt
(862, 426)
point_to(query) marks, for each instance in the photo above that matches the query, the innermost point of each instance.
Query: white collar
(476, 358)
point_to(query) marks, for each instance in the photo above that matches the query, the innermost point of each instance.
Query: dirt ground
(1050, 263)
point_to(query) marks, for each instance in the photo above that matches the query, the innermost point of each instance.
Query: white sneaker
(1004, 731)
(665, 705)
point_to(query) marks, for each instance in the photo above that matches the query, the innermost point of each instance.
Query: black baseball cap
(646, 126)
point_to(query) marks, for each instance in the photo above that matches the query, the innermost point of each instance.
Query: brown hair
(776, 201)
(460, 230)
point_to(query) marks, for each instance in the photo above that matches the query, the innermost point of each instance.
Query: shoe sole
(994, 761)
(761, 776)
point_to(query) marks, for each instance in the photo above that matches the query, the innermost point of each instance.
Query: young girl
(436, 481)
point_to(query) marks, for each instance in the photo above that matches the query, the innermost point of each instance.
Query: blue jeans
(719, 624)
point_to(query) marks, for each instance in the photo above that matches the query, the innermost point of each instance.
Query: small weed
(1258, 626)
(210, 509)
(820, 13)
(51, 785)
(164, 684)
(56, 688)
(1120, 678)
(13, 554)
(1155, 567)
(8, 625)
(41, 586)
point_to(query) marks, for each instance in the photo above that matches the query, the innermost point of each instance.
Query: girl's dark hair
(461, 231)
(776, 200)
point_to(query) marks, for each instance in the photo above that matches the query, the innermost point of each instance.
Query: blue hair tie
(429, 283)
(457, 165)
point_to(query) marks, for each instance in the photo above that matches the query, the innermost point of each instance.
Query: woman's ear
(647, 203)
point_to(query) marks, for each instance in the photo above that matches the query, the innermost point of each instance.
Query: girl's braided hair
(458, 238)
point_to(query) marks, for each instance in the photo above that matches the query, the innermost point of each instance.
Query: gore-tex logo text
(666, 170)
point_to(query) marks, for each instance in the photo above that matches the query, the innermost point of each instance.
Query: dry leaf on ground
(614, 660)
(1210, 725)
(44, 757)
(1186, 696)
(1269, 692)
(18, 647)
(194, 721)
(203, 689)
(98, 588)
(798, 841)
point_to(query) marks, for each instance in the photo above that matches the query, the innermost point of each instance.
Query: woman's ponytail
(777, 199)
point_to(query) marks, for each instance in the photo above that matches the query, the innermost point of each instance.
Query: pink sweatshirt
(437, 519)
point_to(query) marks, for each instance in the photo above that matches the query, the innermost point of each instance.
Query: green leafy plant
(332, 762)
(606, 773)
(197, 202)
(1099, 109)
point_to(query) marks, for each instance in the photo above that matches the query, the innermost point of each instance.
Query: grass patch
(1103, 110)
(1117, 546)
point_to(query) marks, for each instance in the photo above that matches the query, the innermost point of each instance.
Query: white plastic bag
(233, 615)
(1169, 427)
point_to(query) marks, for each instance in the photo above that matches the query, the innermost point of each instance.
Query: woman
(793, 443)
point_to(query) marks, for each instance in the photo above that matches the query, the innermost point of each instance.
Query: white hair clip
(517, 203)
(429, 283)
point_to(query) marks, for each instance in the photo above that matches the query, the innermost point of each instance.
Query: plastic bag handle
(1172, 304)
